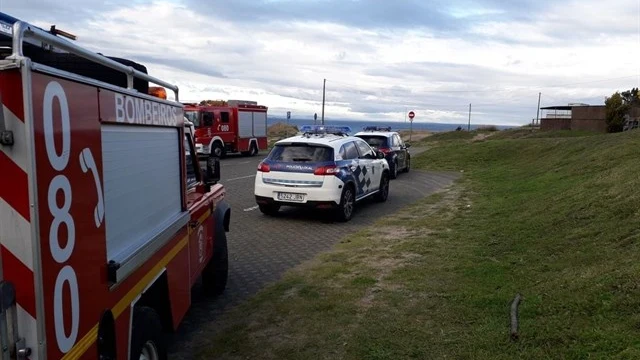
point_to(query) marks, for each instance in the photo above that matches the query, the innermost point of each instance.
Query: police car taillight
(327, 170)
(262, 167)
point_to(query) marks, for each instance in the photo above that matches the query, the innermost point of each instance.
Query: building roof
(568, 107)
(557, 107)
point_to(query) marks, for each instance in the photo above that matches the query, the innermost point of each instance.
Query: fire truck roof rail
(23, 30)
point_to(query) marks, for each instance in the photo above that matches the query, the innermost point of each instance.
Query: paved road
(262, 248)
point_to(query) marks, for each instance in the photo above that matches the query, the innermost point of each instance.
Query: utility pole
(469, 126)
(324, 84)
(538, 110)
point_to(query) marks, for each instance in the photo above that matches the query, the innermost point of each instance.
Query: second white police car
(323, 168)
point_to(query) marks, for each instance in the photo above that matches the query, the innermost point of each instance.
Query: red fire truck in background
(106, 219)
(230, 126)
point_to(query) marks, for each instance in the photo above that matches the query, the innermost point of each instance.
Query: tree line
(618, 107)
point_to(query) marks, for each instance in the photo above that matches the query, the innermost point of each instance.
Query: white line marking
(241, 177)
(251, 208)
(245, 162)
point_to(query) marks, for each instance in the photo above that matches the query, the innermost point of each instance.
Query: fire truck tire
(217, 150)
(254, 150)
(147, 339)
(215, 274)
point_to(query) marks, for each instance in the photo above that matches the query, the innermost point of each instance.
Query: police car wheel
(408, 165)
(146, 335)
(347, 204)
(394, 169)
(383, 193)
(269, 209)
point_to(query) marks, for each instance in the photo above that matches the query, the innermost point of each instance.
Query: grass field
(552, 217)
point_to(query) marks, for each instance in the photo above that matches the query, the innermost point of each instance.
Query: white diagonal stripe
(15, 234)
(18, 151)
(28, 328)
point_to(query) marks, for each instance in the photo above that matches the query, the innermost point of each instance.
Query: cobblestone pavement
(262, 248)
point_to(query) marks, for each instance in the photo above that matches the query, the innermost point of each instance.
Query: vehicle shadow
(298, 214)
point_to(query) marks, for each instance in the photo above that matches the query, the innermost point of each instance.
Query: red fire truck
(106, 219)
(228, 127)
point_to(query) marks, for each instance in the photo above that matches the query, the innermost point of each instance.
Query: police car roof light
(377, 128)
(324, 129)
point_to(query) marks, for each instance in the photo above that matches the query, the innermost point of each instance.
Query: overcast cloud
(379, 57)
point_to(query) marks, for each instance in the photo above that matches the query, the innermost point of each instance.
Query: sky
(380, 58)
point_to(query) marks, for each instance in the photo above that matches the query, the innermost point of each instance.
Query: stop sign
(411, 115)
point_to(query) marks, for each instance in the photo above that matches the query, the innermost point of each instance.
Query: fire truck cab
(230, 126)
(106, 218)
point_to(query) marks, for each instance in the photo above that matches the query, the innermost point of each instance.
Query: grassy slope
(555, 219)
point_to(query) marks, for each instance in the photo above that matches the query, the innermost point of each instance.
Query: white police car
(322, 168)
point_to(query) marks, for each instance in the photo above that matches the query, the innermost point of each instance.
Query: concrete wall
(555, 124)
(589, 118)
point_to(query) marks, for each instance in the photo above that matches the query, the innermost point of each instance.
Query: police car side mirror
(212, 171)
(380, 154)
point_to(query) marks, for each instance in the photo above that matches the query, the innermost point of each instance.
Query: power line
(514, 88)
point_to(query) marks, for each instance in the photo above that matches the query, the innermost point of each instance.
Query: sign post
(411, 116)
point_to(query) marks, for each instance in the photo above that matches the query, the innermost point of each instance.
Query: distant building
(574, 116)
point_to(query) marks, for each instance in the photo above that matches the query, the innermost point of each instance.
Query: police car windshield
(374, 141)
(301, 153)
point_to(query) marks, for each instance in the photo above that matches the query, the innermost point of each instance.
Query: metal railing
(22, 30)
(556, 116)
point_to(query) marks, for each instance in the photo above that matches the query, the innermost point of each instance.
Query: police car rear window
(375, 141)
(301, 153)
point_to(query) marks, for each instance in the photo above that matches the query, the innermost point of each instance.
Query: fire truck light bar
(325, 129)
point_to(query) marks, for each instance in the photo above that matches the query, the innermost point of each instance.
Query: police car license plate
(290, 196)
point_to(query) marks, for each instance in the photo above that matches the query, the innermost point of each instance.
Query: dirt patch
(395, 233)
(481, 136)
(415, 136)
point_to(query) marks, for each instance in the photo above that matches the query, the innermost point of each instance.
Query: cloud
(180, 63)
(379, 57)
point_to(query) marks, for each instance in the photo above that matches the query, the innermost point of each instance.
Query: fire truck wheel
(146, 335)
(214, 275)
(218, 150)
(254, 150)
